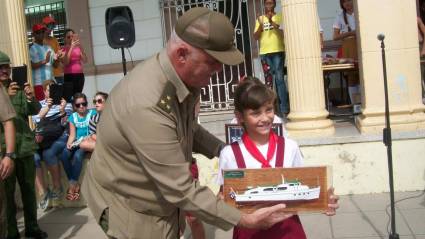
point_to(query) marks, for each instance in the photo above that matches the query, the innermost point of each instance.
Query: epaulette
(168, 95)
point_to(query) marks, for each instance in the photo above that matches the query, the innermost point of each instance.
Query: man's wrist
(10, 155)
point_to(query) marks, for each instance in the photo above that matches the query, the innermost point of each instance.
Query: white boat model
(289, 191)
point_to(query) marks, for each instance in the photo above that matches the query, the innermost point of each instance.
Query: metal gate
(218, 95)
(35, 14)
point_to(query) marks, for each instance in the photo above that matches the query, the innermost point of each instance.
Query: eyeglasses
(78, 105)
(5, 67)
(99, 101)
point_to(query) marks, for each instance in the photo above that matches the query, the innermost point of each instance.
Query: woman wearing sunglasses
(73, 155)
(99, 102)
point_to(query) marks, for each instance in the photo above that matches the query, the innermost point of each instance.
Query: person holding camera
(268, 31)
(73, 60)
(25, 105)
(51, 137)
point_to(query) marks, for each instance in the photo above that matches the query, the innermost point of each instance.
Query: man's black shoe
(39, 234)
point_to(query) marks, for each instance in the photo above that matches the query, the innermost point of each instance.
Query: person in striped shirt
(42, 59)
(50, 155)
(99, 101)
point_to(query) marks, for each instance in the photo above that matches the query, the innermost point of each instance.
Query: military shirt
(25, 142)
(140, 166)
(6, 110)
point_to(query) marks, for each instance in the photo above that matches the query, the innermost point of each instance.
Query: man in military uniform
(25, 105)
(138, 181)
(7, 113)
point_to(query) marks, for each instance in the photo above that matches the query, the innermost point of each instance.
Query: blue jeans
(276, 61)
(50, 155)
(72, 161)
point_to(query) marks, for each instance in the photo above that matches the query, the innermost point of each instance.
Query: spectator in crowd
(345, 30)
(49, 151)
(7, 113)
(25, 105)
(73, 60)
(42, 59)
(89, 142)
(268, 31)
(73, 155)
(52, 41)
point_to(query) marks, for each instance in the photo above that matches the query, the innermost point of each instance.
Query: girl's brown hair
(251, 93)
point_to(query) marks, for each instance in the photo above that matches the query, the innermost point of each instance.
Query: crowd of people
(60, 128)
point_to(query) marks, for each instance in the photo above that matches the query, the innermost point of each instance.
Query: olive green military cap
(211, 31)
(4, 59)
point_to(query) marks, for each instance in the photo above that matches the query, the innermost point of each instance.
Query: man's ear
(182, 54)
(239, 117)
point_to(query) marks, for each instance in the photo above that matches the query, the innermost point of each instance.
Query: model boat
(286, 191)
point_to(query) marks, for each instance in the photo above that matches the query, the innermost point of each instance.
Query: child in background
(260, 147)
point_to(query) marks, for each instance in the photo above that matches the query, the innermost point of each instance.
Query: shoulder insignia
(165, 101)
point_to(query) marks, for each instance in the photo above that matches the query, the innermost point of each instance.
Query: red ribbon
(253, 150)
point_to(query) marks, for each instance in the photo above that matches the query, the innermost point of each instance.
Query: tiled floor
(359, 216)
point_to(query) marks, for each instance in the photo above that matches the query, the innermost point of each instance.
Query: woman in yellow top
(269, 33)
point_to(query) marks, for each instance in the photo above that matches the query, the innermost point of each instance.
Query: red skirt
(290, 228)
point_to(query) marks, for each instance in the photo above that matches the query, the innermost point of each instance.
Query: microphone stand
(124, 65)
(388, 141)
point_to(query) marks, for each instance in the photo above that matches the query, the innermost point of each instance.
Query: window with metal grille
(35, 14)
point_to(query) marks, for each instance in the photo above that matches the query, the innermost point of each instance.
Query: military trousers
(3, 224)
(24, 173)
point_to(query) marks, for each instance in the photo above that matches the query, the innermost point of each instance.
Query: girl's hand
(49, 102)
(12, 89)
(29, 93)
(69, 146)
(62, 105)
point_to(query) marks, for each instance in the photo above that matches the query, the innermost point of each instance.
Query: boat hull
(290, 195)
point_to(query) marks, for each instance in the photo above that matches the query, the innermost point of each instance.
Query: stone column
(308, 116)
(397, 20)
(13, 40)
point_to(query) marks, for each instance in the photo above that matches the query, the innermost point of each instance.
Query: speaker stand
(124, 64)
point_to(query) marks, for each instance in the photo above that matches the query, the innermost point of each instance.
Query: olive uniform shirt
(139, 169)
(7, 111)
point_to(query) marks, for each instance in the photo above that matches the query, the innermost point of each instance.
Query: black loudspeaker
(119, 27)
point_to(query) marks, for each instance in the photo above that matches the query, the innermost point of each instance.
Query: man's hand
(332, 203)
(264, 218)
(47, 59)
(12, 89)
(29, 93)
(6, 167)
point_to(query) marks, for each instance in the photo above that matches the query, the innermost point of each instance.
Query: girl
(259, 148)
(73, 60)
(73, 155)
(345, 30)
